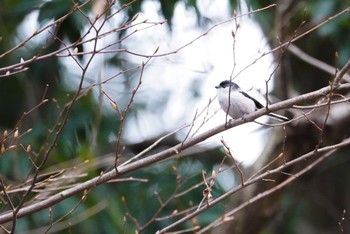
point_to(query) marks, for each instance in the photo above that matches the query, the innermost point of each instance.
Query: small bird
(237, 103)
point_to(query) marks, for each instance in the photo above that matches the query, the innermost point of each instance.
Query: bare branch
(325, 152)
(166, 153)
(341, 74)
(314, 62)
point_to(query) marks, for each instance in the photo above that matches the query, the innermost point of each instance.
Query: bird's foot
(228, 122)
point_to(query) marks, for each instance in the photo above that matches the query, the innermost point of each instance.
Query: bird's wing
(256, 102)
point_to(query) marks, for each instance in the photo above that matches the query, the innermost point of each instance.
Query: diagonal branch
(315, 62)
(7, 216)
(325, 152)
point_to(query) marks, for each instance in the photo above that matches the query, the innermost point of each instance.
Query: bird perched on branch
(237, 103)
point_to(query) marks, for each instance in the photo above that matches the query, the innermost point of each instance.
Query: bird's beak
(218, 86)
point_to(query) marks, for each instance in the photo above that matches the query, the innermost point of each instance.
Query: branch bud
(15, 135)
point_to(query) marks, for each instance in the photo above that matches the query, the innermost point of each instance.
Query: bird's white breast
(234, 103)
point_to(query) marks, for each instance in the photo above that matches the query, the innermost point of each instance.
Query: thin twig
(341, 74)
(270, 191)
(149, 148)
(228, 152)
(326, 151)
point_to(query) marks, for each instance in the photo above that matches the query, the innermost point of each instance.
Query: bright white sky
(202, 64)
(197, 68)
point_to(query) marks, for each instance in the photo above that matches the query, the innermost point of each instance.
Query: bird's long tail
(278, 117)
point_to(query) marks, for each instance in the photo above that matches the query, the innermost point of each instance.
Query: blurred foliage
(19, 93)
(312, 12)
(290, 18)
